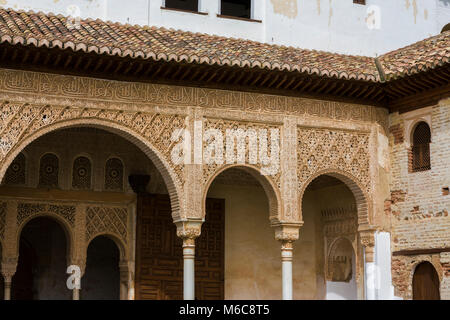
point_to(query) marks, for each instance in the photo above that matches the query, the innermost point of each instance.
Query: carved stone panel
(326, 149)
(28, 210)
(251, 147)
(109, 220)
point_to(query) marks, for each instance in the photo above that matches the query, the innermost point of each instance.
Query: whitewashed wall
(330, 25)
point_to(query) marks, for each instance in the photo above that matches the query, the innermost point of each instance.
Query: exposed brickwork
(419, 207)
(396, 131)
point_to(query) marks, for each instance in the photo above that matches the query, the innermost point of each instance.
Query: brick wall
(419, 204)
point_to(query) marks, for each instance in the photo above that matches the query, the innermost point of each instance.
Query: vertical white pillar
(287, 233)
(189, 270)
(189, 231)
(286, 261)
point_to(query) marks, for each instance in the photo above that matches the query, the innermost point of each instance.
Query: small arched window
(446, 28)
(81, 175)
(15, 175)
(421, 148)
(114, 175)
(48, 171)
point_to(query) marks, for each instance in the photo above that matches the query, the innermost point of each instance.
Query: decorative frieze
(81, 88)
(28, 210)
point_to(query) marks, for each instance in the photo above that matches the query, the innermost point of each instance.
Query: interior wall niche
(340, 261)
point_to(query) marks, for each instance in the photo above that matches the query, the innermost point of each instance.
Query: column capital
(287, 232)
(189, 230)
(367, 238)
(9, 267)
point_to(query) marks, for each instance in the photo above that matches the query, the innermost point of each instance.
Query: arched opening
(94, 164)
(101, 280)
(329, 234)
(446, 28)
(425, 282)
(252, 265)
(421, 147)
(41, 270)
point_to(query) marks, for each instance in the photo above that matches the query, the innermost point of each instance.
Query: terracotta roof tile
(159, 43)
(49, 30)
(421, 56)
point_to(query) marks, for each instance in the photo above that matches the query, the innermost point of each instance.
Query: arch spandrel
(21, 124)
(342, 154)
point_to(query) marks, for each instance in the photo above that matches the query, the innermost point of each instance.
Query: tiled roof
(49, 30)
(421, 56)
(155, 43)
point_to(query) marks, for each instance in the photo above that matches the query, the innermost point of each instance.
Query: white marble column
(189, 231)
(189, 270)
(286, 261)
(287, 233)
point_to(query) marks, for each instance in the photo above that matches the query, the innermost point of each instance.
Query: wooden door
(425, 283)
(159, 255)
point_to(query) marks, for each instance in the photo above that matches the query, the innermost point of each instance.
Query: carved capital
(8, 268)
(287, 233)
(189, 230)
(367, 238)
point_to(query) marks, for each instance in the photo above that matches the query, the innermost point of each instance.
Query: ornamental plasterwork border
(114, 94)
(18, 121)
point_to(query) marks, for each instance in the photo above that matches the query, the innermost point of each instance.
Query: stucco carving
(223, 125)
(109, 220)
(80, 88)
(22, 120)
(346, 151)
(35, 101)
(27, 210)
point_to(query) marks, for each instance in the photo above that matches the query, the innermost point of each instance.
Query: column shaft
(286, 260)
(189, 271)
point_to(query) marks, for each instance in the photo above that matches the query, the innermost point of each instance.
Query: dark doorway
(101, 280)
(41, 270)
(159, 256)
(425, 283)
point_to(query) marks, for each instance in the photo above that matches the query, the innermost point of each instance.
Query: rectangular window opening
(236, 8)
(188, 5)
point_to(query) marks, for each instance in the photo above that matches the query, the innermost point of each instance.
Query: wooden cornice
(399, 95)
